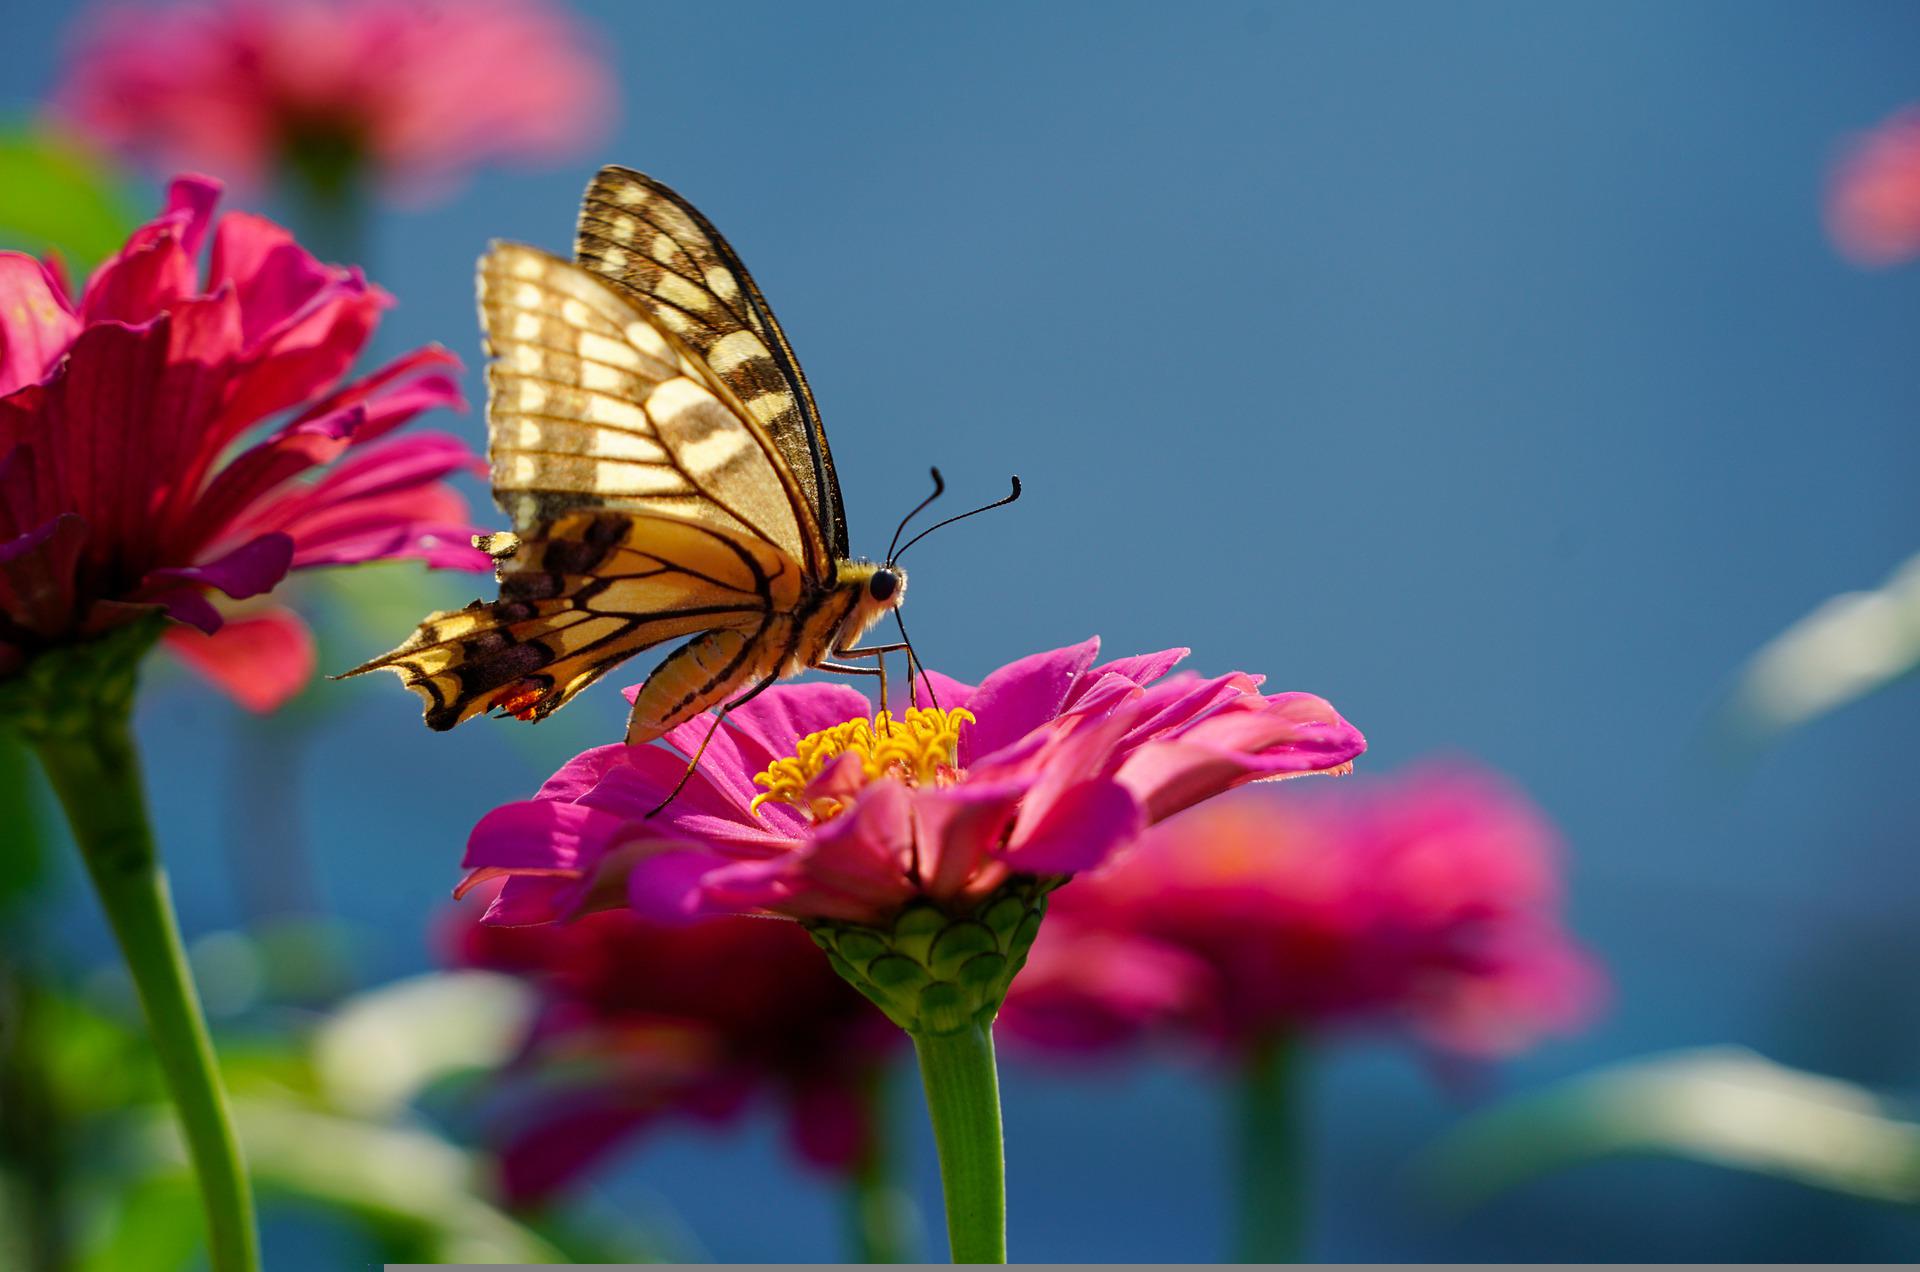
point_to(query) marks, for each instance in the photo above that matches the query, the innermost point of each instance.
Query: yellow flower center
(919, 749)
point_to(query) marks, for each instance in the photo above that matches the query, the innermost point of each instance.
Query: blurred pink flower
(418, 91)
(639, 1022)
(1045, 769)
(1873, 197)
(127, 481)
(1426, 901)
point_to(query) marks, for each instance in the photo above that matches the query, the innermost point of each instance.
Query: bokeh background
(1485, 368)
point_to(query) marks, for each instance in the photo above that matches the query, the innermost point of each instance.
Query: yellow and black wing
(647, 504)
(591, 590)
(660, 252)
(591, 405)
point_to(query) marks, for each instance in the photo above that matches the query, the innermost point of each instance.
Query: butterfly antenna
(913, 661)
(998, 503)
(939, 485)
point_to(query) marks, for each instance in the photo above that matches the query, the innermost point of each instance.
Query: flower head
(134, 472)
(641, 1021)
(804, 806)
(1425, 902)
(1873, 196)
(416, 91)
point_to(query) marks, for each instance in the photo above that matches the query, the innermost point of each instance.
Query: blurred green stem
(34, 1140)
(95, 770)
(879, 1214)
(1273, 1176)
(963, 1099)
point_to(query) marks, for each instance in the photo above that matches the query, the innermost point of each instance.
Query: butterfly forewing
(668, 258)
(589, 405)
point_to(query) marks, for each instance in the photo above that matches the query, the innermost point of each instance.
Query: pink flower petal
(248, 570)
(1087, 824)
(583, 772)
(670, 886)
(771, 724)
(273, 276)
(258, 660)
(956, 832)
(36, 324)
(713, 805)
(829, 1125)
(1141, 669)
(541, 834)
(932, 689)
(37, 575)
(1087, 990)
(566, 1142)
(156, 267)
(854, 868)
(527, 898)
(1022, 696)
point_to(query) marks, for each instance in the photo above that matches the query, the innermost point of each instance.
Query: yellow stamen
(920, 749)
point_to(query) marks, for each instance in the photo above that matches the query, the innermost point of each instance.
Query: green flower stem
(963, 1097)
(96, 773)
(1273, 1209)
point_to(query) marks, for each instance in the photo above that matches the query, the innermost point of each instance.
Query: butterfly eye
(883, 585)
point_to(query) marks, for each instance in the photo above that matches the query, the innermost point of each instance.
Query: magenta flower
(918, 853)
(1873, 196)
(642, 1022)
(132, 479)
(1046, 769)
(415, 91)
(1427, 902)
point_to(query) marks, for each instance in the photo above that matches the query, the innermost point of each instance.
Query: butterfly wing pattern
(648, 505)
(657, 448)
(661, 253)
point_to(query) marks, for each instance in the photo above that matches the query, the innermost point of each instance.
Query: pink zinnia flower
(415, 91)
(1047, 768)
(1873, 197)
(1425, 902)
(640, 1022)
(131, 477)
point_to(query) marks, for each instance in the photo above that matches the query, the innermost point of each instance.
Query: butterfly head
(876, 588)
(887, 586)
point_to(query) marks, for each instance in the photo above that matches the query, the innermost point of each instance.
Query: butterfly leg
(694, 763)
(879, 654)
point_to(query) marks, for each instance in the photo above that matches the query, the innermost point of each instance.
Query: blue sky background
(1482, 367)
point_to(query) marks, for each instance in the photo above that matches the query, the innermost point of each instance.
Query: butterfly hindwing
(660, 252)
(595, 589)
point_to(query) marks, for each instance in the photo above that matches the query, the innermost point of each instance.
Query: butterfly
(662, 460)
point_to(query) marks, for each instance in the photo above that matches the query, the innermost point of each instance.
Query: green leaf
(1848, 647)
(383, 1047)
(1721, 1105)
(408, 1187)
(154, 1224)
(55, 196)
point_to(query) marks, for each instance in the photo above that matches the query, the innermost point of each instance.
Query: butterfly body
(662, 461)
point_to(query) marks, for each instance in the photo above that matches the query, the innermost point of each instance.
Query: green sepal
(62, 691)
(937, 972)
